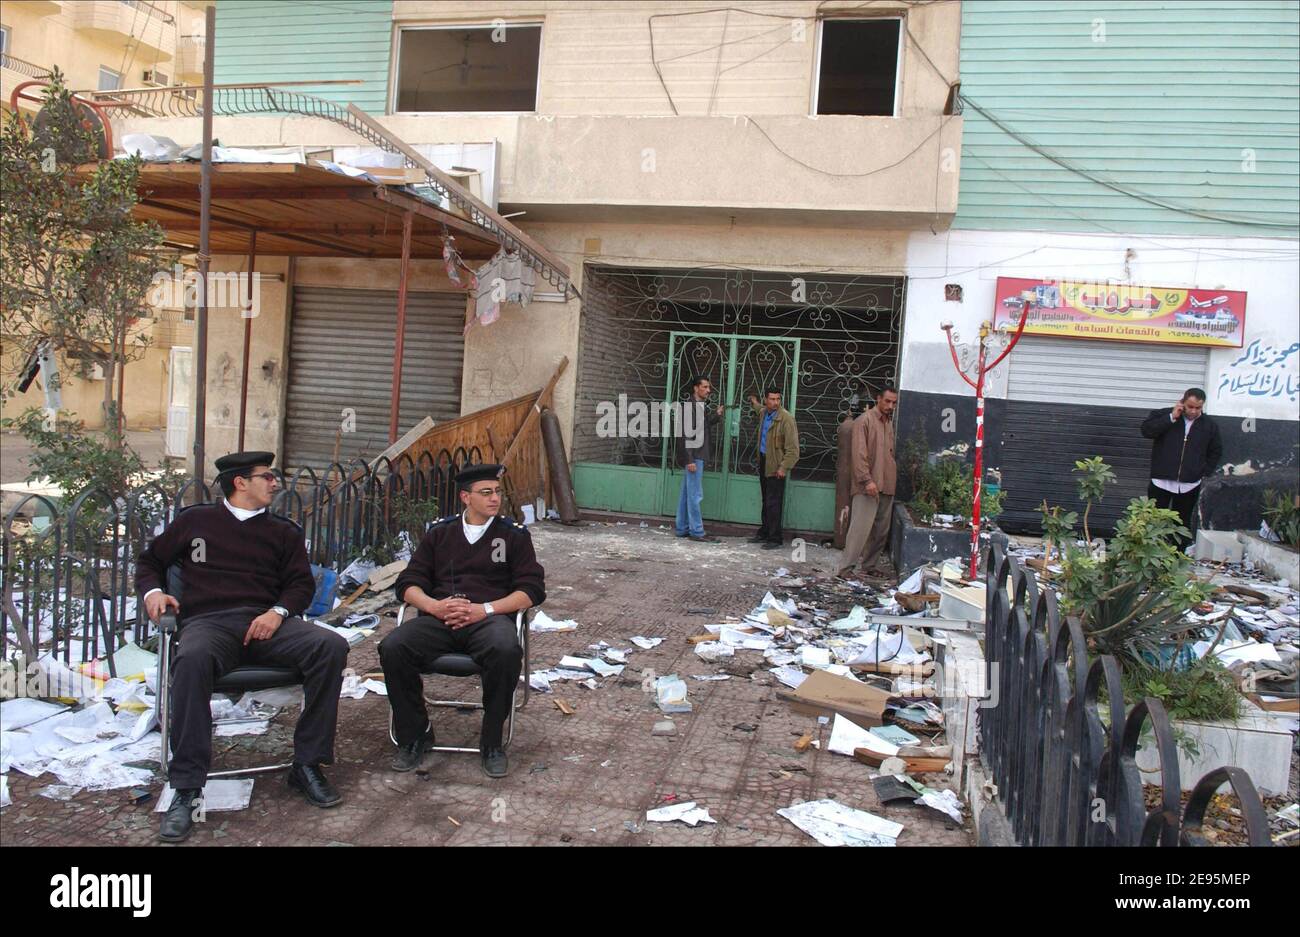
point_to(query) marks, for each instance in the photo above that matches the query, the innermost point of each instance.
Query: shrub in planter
(1131, 601)
(1282, 512)
(944, 485)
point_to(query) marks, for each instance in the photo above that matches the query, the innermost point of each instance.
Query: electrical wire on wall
(1115, 187)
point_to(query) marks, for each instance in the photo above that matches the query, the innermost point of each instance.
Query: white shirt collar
(474, 531)
(242, 514)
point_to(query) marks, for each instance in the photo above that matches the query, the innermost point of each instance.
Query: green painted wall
(1165, 98)
(296, 40)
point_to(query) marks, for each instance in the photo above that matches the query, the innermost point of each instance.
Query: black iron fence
(69, 570)
(1062, 746)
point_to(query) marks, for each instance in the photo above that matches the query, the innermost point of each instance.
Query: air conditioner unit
(154, 77)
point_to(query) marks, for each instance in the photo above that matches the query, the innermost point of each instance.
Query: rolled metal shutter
(341, 356)
(1119, 374)
(1069, 400)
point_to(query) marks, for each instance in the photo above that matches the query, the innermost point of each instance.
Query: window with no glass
(858, 71)
(475, 68)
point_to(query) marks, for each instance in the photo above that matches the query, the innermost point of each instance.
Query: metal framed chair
(240, 680)
(462, 665)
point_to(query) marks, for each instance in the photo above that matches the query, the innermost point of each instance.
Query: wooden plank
(804, 743)
(914, 764)
(535, 414)
(564, 706)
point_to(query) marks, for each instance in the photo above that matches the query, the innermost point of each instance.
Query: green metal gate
(736, 366)
(828, 340)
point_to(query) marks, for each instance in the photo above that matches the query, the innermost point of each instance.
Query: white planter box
(1255, 743)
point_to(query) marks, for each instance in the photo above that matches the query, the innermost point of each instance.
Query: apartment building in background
(105, 45)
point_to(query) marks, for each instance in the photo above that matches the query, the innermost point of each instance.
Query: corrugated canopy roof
(301, 210)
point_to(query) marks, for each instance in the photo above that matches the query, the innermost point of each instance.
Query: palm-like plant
(1132, 601)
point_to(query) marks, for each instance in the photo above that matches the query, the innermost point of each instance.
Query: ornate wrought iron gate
(847, 330)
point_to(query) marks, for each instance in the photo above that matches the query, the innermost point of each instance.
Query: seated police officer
(245, 580)
(471, 573)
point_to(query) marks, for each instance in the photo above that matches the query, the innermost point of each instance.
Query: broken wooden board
(914, 765)
(563, 706)
(804, 743)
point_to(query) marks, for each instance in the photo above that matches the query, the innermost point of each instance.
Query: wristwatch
(280, 610)
(488, 610)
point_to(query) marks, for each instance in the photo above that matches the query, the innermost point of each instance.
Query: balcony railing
(151, 9)
(23, 67)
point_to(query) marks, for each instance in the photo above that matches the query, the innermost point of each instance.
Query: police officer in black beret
(246, 582)
(471, 573)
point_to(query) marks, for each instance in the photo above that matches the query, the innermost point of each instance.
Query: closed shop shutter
(1070, 400)
(1120, 374)
(341, 356)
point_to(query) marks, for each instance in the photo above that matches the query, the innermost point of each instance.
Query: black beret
(243, 460)
(479, 473)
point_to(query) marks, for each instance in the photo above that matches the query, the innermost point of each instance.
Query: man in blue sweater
(245, 583)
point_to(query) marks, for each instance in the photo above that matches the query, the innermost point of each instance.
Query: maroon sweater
(259, 562)
(501, 562)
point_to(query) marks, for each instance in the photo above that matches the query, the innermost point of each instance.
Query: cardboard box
(825, 694)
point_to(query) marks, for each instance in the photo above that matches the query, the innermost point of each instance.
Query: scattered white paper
(25, 711)
(670, 694)
(714, 650)
(856, 620)
(353, 636)
(59, 792)
(790, 676)
(711, 676)
(218, 794)
(945, 801)
(278, 697)
(818, 657)
(687, 812)
(846, 735)
(1247, 651)
(544, 623)
(833, 824)
(647, 643)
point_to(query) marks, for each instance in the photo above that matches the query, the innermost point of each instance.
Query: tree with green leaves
(75, 266)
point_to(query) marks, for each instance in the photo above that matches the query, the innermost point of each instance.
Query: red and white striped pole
(977, 485)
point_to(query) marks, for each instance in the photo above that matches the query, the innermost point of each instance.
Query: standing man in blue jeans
(694, 431)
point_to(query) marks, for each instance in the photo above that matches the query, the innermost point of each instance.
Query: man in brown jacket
(778, 451)
(874, 475)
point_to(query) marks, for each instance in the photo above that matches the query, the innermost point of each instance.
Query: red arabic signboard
(1086, 309)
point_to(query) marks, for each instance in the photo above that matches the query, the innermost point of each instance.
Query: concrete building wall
(145, 400)
(267, 385)
(600, 59)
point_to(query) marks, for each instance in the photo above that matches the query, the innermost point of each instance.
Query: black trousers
(408, 651)
(773, 491)
(1184, 504)
(212, 645)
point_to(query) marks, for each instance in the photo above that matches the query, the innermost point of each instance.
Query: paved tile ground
(574, 779)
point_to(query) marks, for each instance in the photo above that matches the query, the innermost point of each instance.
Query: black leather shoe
(705, 539)
(756, 539)
(777, 545)
(178, 821)
(495, 763)
(408, 756)
(310, 781)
